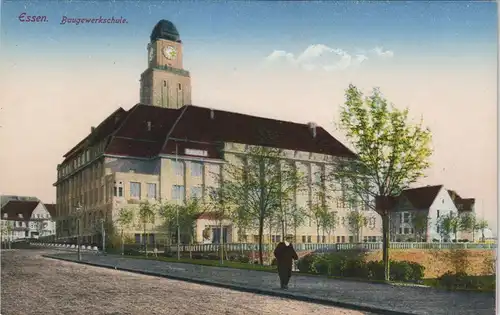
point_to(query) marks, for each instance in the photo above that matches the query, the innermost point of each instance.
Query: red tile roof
(422, 197)
(15, 207)
(104, 129)
(209, 129)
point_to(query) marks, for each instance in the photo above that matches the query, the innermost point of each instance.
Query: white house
(417, 212)
(27, 219)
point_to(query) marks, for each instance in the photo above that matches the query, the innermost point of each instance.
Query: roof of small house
(14, 208)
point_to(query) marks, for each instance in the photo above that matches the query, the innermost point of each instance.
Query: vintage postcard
(162, 157)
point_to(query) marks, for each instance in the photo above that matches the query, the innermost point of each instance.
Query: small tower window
(179, 86)
(164, 83)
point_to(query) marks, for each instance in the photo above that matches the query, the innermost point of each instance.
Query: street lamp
(78, 209)
(103, 233)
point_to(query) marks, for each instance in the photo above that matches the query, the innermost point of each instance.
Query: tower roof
(165, 29)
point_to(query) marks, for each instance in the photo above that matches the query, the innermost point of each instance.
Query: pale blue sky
(437, 58)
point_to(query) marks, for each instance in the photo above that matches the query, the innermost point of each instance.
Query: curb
(287, 295)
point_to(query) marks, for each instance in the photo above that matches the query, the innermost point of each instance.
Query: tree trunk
(123, 245)
(385, 246)
(261, 235)
(283, 230)
(145, 241)
(221, 243)
(473, 236)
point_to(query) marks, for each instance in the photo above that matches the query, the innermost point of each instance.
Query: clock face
(151, 54)
(170, 52)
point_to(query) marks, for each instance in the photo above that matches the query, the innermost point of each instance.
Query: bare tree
(257, 184)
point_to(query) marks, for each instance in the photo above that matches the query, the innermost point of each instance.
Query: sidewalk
(370, 297)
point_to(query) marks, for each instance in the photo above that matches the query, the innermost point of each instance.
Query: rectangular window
(338, 239)
(278, 238)
(151, 191)
(196, 192)
(342, 239)
(400, 230)
(303, 239)
(178, 192)
(135, 190)
(323, 239)
(309, 239)
(178, 168)
(120, 191)
(151, 239)
(351, 239)
(438, 213)
(405, 217)
(196, 169)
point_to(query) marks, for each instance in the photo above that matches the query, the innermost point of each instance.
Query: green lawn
(207, 262)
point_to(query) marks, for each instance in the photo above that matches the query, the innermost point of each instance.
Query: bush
(353, 265)
(305, 263)
(400, 271)
(461, 280)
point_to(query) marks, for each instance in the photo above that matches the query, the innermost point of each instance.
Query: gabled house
(465, 206)
(27, 219)
(417, 211)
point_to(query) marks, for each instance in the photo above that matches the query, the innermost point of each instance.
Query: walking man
(285, 254)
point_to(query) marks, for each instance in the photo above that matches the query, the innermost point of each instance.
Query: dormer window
(20, 215)
(5, 215)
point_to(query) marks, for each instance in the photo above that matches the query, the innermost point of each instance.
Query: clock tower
(165, 83)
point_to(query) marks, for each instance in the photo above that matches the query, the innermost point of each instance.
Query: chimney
(92, 129)
(149, 125)
(312, 128)
(212, 114)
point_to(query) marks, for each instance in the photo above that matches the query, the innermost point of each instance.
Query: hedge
(354, 266)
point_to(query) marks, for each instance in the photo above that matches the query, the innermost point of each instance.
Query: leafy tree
(296, 217)
(355, 222)
(448, 224)
(257, 184)
(420, 222)
(183, 216)
(391, 154)
(481, 225)
(468, 223)
(147, 213)
(7, 231)
(125, 220)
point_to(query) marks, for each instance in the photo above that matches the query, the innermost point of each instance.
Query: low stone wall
(438, 262)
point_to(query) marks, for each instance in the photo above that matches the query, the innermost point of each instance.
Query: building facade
(166, 150)
(419, 210)
(27, 219)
